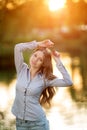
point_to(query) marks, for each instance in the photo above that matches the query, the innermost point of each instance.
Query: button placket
(25, 92)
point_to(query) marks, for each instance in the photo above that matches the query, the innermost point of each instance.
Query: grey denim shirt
(26, 104)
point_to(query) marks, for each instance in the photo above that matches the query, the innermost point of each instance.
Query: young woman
(35, 84)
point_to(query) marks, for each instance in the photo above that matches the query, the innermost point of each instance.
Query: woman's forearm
(64, 72)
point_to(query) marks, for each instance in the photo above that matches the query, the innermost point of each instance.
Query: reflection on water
(7, 94)
(71, 119)
(64, 114)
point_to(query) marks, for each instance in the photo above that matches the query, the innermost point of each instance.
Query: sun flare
(55, 5)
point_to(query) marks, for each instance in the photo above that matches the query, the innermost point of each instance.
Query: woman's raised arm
(18, 56)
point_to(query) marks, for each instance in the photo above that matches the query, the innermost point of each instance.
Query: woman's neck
(33, 73)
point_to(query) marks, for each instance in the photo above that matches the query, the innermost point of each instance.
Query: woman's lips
(33, 62)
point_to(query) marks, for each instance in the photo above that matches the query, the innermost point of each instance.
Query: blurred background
(65, 23)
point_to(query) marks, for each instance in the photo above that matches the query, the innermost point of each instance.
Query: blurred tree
(6, 7)
(76, 12)
(18, 17)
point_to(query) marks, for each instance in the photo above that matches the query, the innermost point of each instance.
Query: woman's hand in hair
(46, 44)
(55, 55)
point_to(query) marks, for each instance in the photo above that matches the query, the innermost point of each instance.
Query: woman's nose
(36, 59)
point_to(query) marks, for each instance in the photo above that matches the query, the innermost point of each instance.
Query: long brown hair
(47, 71)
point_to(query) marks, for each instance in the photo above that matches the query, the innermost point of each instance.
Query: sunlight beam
(55, 5)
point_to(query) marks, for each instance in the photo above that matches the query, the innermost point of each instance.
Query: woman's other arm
(66, 80)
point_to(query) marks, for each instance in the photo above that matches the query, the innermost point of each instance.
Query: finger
(51, 43)
(56, 53)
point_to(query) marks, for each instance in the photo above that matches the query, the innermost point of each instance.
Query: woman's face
(36, 60)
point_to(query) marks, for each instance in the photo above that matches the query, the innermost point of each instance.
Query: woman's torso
(26, 105)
